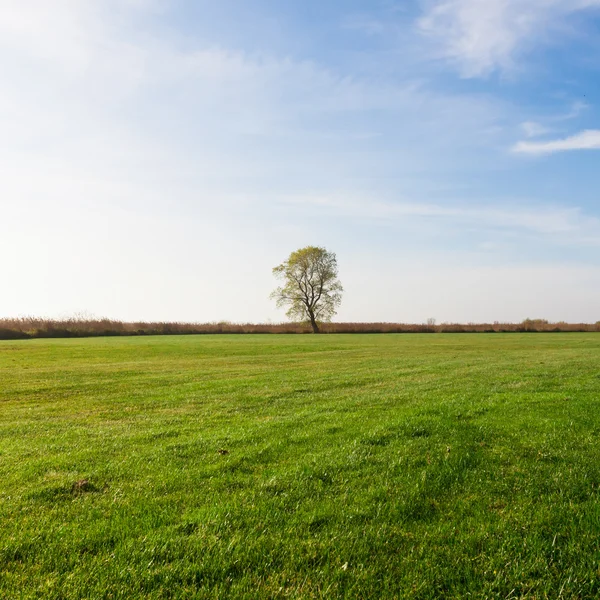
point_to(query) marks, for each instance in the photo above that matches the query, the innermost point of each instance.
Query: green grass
(433, 466)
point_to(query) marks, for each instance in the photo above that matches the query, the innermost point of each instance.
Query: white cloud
(481, 36)
(533, 129)
(574, 112)
(586, 140)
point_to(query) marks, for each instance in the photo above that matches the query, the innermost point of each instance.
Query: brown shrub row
(31, 327)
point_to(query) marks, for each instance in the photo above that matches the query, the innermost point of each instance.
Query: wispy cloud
(575, 111)
(115, 94)
(484, 36)
(586, 140)
(533, 129)
(549, 220)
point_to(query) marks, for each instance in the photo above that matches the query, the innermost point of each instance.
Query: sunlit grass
(397, 466)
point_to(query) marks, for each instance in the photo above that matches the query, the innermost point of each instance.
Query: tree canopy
(310, 287)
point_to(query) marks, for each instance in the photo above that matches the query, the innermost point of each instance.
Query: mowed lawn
(358, 466)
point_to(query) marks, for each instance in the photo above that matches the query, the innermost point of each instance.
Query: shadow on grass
(65, 491)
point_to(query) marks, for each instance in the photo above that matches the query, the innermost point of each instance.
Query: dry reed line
(35, 327)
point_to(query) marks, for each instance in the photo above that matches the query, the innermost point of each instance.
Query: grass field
(390, 466)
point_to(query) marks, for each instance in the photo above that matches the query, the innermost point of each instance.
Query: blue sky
(159, 158)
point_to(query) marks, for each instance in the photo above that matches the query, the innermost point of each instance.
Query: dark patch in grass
(324, 475)
(187, 528)
(317, 523)
(18, 552)
(333, 430)
(420, 432)
(52, 494)
(95, 546)
(383, 439)
(419, 508)
(471, 415)
(240, 467)
(386, 436)
(65, 492)
(237, 485)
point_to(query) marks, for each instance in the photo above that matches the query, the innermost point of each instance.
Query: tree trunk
(313, 324)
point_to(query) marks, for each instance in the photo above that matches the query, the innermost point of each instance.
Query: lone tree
(311, 289)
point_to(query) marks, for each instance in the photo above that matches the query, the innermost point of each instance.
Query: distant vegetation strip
(31, 327)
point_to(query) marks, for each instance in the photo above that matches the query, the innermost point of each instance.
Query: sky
(159, 157)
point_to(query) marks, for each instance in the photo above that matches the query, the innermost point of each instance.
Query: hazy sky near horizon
(159, 158)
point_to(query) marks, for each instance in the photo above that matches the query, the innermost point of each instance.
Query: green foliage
(311, 290)
(398, 466)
